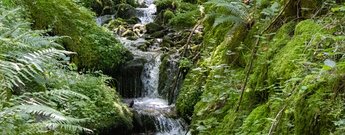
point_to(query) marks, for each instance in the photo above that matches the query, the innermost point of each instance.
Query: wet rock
(133, 37)
(115, 23)
(133, 20)
(143, 123)
(139, 29)
(153, 27)
(158, 34)
(104, 19)
(125, 11)
(119, 30)
(128, 82)
(128, 33)
(143, 47)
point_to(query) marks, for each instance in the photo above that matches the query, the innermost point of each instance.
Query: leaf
(330, 63)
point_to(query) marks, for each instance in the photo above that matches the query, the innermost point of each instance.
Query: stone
(128, 33)
(153, 27)
(125, 11)
(128, 82)
(158, 34)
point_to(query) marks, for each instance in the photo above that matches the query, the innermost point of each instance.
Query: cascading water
(146, 11)
(150, 106)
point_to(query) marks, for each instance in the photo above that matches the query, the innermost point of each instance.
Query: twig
(279, 114)
(171, 95)
(277, 119)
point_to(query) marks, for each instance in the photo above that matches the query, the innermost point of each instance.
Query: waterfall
(150, 76)
(146, 13)
(153, 114)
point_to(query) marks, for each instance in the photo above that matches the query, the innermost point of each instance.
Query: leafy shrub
(104, 108)
(166, 4)
(185, 20)
(38, 96)
(168, 14)
(25, 56)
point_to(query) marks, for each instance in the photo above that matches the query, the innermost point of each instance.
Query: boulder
(153, 27)
(128, 82)
(158, 34)
(125, 11)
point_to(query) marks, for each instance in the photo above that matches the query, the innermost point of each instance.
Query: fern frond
(50, 119)
(68, 127)
(228, 11)
(28, 65)
(66, 93)
(224, 19)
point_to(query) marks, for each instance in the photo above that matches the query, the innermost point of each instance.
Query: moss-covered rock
(125, 11)
(168, 14)
(96, 47)
(289, 90)
(166, 4)
(153, 27)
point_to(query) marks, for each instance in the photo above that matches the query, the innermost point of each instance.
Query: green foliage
(166, 4)
(168, 14)
(295, 86)
(185, 63)
(39, 96)
(104, 108)
(96, 47)
(223, 11)
(185, 20)
(25, 56)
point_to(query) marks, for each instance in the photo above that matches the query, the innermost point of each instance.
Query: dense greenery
(288, 63)
(95, 47)
(41, 91)
(247, 67)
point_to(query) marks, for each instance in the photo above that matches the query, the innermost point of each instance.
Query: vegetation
(245, 67)
(96, 48)
(41, 92)
(287, 64)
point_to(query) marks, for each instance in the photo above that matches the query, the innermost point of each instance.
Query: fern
(224, 11)
(29, 65)
(26, 54)
(50, 119)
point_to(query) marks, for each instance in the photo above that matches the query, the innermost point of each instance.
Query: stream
(152, 114)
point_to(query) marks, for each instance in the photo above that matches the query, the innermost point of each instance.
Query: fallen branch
(185, 47)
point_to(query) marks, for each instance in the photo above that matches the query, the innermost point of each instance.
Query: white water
(151, 104)
(146, 14)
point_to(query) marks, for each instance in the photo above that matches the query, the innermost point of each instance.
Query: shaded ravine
(152, 113)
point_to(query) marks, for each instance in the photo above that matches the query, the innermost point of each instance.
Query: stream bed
(152, 114)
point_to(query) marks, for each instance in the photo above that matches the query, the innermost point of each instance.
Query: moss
(267, 51)
(190, 93)
(294, 52)
(125, 11)
(166, 4)
(313, 106)
(104, 109)
(195, 82)
(168, 14)
(185, 20)
(219, 91)
(254, 123)
(96, 48)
